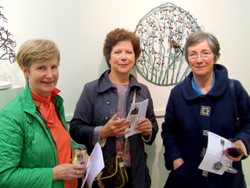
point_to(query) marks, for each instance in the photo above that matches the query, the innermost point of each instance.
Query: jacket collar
(218, 89)
(105, 84)
(29, 105)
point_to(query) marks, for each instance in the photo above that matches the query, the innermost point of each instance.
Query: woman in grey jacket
(94, 118)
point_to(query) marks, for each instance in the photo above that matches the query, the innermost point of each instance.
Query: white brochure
(94, 166)
(214, 160)
(137, 111)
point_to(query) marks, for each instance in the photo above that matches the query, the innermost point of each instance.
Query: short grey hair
(200, 36)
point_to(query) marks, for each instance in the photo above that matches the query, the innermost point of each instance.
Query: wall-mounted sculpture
(7, 44)
(163, 32)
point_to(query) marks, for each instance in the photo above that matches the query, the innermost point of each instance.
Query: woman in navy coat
(95, 118)
(202, 103)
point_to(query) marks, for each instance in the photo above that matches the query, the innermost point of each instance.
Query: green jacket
(27, 149)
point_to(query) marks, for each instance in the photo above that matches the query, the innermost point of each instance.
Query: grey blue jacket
(94, 109)
(185, 125)
(27, 149)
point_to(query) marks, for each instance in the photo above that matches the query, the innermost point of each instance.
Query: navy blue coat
(94, 109)
(183, 130)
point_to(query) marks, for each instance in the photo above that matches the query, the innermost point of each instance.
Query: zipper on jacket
(48, 132)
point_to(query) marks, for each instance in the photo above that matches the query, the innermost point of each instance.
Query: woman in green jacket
(35, 147)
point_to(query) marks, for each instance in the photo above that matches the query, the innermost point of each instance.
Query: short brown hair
(37, 50)
(118, 35)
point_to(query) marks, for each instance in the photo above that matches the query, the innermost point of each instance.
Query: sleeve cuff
(97, 136)
(148, 137)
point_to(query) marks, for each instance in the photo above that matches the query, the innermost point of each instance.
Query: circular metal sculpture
(163, 32)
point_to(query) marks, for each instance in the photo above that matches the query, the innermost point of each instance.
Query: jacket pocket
(184, 175)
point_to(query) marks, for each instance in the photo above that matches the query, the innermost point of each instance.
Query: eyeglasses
(203, 55)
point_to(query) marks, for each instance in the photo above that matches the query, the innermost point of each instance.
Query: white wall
(80, 26)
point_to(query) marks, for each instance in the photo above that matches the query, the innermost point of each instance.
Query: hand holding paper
(215, 161)
(137, 111)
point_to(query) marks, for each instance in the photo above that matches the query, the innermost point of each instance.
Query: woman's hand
(115, 127)
(238, 144)
(68, 171)
(177, 163)
(145, 126)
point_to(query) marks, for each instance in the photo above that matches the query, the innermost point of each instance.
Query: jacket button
(205, 132)
(29, 120)
(203, 152)
(204, 173)
(107, 102)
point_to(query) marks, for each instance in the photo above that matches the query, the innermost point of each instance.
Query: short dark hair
(117, 35)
